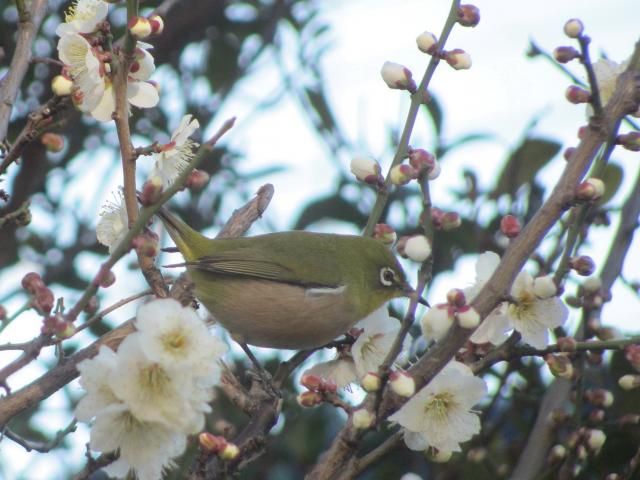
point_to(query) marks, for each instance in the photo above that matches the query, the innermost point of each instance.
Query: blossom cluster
(144, 399)
(87, 75)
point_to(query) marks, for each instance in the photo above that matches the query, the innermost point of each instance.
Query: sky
(499, 94)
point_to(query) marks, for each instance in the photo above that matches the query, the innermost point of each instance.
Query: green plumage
(288, 289)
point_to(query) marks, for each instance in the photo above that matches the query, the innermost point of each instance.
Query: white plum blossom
(373, 344)
(176, 154)
(148, 396)
(526, 312)
(113, 225)
(85, 69)
(607, 73)
(147, 448)
(440, 415)
(175, 335)
(140, 94)
(83, 17)
(436, 322)
(533, 316)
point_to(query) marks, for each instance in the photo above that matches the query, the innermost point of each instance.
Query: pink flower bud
(108, 279)
(328, 386)
(427, 43)
(398, 77)
(309, 399)
(421, 160)
(556, 454)
(583, 265)
(402, 383)
(468, 15)
(458, 59)
(416, 248)
(43, 300)
(577, 95)
(371, 382)
(450, 221)
(92, 305)
(402, 174)
(456, 297)
(437, 322)
(65, 330)
(468, 317)
(157, 24)
(139, 27)
(573, 28)
(630, 141)
(151, 191)
(599, 397)
(32, 282)
(567, 344)
(61, 86)
(311, 382)
(362, 419)
(568, 153)
(510, 226)
(565, 54)
(197, 180)
(385, 234)
(435, 171)
(146, 244)
(211, 443)
(52, 142)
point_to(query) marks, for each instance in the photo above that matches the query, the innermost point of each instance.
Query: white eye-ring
(387, 276)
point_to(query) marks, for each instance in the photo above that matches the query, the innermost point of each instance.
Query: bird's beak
(413, 295)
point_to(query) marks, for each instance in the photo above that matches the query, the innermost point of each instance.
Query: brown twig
(28, 25)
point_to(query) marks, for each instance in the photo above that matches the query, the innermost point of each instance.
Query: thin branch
(42, 447)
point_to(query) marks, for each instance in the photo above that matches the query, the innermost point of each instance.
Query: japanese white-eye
(290, 290)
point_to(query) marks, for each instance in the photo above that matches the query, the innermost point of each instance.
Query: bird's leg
(263, 375)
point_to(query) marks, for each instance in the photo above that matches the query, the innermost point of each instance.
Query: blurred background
(303, 78)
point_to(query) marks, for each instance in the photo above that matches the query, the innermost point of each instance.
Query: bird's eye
(387, 276)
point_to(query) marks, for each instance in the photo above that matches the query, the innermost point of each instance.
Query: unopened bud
(629, 419)
(402, 383)
(630, 141)
(544, 287)
(107, 279)
(438, 456)
(592, 284)
(229, 452)
(456, 297)
(427, 43)
(632, 354)
(416, 248)
(435, 171)
(477, 454)
(385, 233)
(32, 282)
(402, 174)
(565, 54)
(328, 386)
(597, 415)
(567, 344)
(599, 397)
(421, 160)
(139, 27)
(577, 95)
(197, 180)
(629, 382)
(92, 305)
(573, 28)
(52, 142)
(437, 322)
(596, 439)
(613, 476)
(157, 24)
(583, 265)
(590, 190)
(65, 330)
(468, 317)
(309, 399)
(61, 86)
(362, 419)
(311, 382)
(458, 59)
(43, 300)
(560, 366)
(568, 153)
(510, 226)
(557, 454)
(371, 382)
(151, 191)
(450, 221)
(558, 417)
(366, 170)
(211, 443)
(468, 15)
(398, 77)
(146, 244)
(50, 323)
